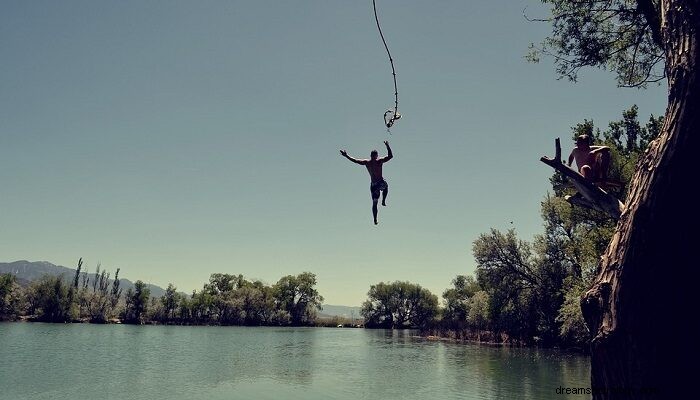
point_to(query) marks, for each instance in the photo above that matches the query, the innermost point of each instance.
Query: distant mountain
(27, 271)
(340, 311)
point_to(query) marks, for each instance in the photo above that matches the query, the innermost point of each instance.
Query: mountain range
(28, 271)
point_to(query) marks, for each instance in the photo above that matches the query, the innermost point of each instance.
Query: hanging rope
(390, 116)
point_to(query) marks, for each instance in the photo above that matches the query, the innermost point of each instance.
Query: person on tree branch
(374, 167)
(592, 161)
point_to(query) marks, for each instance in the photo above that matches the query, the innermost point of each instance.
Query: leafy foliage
(98, 303)
(136, 303)
(10, 300)
(297, 296)
(399, 305)
(457, 300)
(52, 299)
(617, 35)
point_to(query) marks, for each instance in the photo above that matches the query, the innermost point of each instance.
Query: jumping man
(592, 161)
(374, 167)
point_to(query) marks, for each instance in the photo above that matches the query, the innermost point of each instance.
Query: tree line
(225, 300)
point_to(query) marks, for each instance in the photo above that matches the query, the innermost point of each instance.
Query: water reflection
(43, 361)
(500, 372)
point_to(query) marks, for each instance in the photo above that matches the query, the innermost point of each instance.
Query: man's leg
(374, 209)
(374, 190)
(587, 172)
(384, 193)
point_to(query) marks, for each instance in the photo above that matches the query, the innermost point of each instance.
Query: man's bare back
(583, 157)
(374, 167)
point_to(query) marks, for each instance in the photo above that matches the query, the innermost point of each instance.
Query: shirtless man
(592, 161)
(374, 167)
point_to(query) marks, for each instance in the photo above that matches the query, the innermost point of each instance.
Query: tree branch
(591, 195)
(651, 13)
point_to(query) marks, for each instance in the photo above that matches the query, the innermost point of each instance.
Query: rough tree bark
(643, 306)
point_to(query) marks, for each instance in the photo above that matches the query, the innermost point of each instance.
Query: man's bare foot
(384, 204)
(375, 222)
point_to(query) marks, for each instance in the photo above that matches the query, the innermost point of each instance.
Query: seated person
(592, 161)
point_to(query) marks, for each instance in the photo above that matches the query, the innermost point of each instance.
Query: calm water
(81, 361)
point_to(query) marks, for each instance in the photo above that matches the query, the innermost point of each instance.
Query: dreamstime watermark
(587, 391)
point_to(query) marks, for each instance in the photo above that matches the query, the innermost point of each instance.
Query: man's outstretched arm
(355, 160)
(389, 155)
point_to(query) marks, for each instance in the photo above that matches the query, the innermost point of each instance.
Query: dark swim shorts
(375, 187)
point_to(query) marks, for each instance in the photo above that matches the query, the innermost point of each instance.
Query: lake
(84, 361)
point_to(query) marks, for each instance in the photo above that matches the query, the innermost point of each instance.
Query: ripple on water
(82, 361)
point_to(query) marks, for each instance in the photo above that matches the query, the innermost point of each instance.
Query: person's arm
(389, 155)
(571, 156)
(355, 160)
(598, 149)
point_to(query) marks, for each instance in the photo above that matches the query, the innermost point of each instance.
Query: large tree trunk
(642, 309)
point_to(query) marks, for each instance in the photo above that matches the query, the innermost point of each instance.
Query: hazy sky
(175, 139)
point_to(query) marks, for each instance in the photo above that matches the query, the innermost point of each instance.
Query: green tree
(573, 330)
(9, 297)
(99, 302)
(77, 273)
(298, 296)
(399, 305)
(233, 300)
(380, 308)
(223, 283)
(506, 270)
(116, 291)
(185, 310)
(52, 299)
(170, 302)
(523, 288)
(201, 306)
(422, 307)
(257, 303)
(224, 301)
(155, 312)
(478, 314)
(457, 300)
(136, 303)
(96, 303)
(267, 309)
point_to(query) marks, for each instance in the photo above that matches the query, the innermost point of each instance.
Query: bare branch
(534, 19)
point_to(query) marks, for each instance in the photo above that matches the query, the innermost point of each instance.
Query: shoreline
(118, 321)
(431, 338)
(492, 343)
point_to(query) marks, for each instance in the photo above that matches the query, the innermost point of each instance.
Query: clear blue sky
(174, 139)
